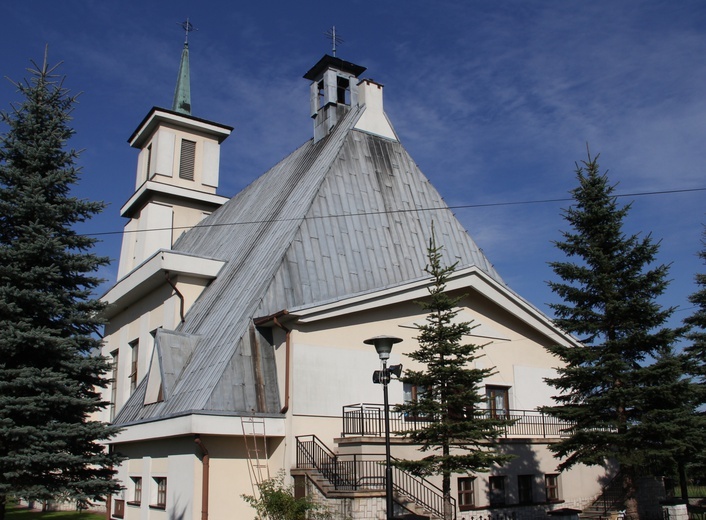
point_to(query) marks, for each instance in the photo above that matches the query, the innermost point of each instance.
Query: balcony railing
(367, 420)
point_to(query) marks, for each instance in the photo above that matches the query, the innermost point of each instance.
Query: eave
(463, 279)
(193, 424)
(158, 116)
(151, 187)
(151, 273)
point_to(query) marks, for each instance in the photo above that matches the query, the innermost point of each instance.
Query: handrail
(420, 491)
(363, 473)
(612, 495)
(367, 420)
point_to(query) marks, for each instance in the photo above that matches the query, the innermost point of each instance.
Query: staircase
(349, 476)
(609, 504)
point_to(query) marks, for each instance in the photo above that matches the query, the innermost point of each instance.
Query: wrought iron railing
(360, 472)
(612, 497)
(367, 420)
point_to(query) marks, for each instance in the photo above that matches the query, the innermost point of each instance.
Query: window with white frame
(551, 487)
(466, 493)
(134, 358)
(113, 383)
(136, 491)
(160, 497)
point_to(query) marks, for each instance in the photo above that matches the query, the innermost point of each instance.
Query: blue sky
(495, 101)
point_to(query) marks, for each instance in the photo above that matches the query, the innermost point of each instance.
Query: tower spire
(182, 93)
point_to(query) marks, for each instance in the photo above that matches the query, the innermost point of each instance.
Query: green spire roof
(182, 93)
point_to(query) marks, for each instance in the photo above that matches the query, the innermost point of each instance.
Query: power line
(389, 212)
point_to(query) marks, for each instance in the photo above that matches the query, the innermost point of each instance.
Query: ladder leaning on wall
(255, 439)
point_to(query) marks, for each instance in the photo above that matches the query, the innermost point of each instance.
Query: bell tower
(334, 89)
(177, 174)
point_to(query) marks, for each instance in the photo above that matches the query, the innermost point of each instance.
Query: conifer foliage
(459, 434)
(696, 352)
(49, 375)
(608, 286)
(697, 328)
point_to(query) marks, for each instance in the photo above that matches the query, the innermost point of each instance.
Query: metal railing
(366, 419)
(360, 472)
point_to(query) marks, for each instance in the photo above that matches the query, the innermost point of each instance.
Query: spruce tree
(696, 350)
(609, 287)
(49, 374)
(671, 431)
(459, 434)
(697, 328)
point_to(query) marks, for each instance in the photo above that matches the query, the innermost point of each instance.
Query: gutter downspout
(206, 460)
(287, 350)
(181, 296)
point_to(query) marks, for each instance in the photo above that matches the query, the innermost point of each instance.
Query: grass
(696, 491)
(28, 514)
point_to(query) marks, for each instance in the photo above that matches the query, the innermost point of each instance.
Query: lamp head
(383, 345)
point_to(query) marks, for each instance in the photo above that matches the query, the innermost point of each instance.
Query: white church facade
(237, 326)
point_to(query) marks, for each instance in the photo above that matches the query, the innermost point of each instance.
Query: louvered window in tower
(186, 164)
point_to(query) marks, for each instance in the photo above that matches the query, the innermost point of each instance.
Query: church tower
(177, 174)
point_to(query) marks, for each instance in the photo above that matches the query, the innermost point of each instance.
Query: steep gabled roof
(349, 214)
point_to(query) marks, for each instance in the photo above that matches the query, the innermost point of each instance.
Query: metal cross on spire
(335, 39)
(188, 27)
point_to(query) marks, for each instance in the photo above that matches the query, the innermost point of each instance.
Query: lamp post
(383, 346)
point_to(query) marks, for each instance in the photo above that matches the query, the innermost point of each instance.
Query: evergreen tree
(696, 351)
(460, 434)
(697, 329)
(49, 375)
(608, 290)
(671, 430)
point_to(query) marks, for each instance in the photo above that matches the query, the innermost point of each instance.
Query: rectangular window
(411, 394)
(497, 401)
(496, 487)
(343, 90)
(136, 491)
(118, 508)
(466, 493)
(134, 357)
(524, 489)
(161, 501)
(188, 159)
(551, 485)
(113, 383)
(149, 161)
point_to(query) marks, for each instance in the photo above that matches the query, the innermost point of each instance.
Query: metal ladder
(255, 439)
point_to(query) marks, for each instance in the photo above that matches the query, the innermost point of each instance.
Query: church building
(237, 326)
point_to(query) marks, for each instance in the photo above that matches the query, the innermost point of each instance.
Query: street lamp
(383, 346)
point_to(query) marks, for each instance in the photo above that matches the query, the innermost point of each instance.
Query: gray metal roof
(347, 214)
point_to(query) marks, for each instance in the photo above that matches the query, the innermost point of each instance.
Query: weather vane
(331, 35)
(188, 27)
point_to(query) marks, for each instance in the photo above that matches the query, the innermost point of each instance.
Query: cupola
(334, 89)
